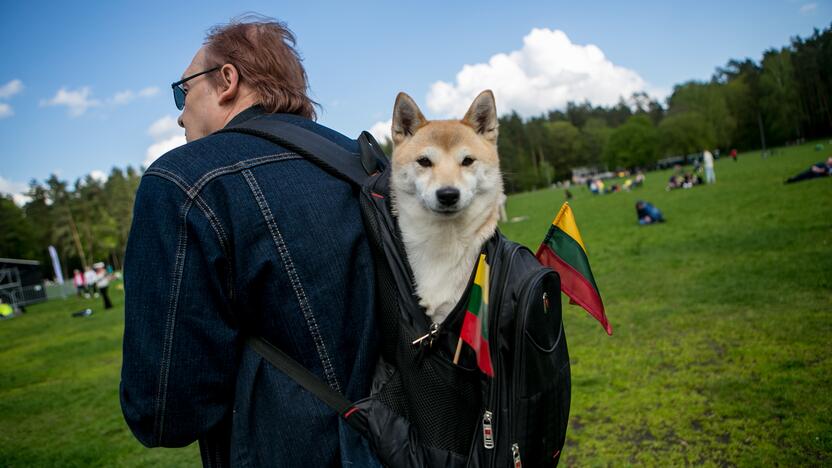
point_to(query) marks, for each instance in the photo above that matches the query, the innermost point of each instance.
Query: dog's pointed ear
(407, 118)
(482, 116)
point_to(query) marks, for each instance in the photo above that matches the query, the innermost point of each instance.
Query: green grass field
(720, 354)
(59, 381)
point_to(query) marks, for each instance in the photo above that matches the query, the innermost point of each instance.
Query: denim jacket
(233, 235)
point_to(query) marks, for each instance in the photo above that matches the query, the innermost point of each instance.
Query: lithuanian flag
(563, 250)
(475, 326)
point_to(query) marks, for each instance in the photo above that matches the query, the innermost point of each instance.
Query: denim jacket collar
(247, 114)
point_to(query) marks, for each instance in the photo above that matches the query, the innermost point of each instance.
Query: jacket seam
(217, 459)
(297, 286)
(170, 322)
(216, 225)
(168, 175)
(193, 190)
(242, 165)
(205, 452)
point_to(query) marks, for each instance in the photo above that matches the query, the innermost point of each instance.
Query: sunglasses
(179, 92)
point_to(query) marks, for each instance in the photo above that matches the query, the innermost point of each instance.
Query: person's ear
(230, 83)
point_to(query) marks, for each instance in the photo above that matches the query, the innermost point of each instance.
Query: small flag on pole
(563, 250)
(475, 326)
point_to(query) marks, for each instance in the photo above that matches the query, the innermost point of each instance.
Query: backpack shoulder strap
(351, 167)
(305, 378)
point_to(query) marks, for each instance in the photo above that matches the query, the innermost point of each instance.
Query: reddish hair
(263, 51)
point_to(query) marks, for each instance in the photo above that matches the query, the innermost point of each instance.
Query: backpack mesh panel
(440, 400)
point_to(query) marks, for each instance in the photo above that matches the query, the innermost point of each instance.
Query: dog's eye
(468, 161)
(424, 161)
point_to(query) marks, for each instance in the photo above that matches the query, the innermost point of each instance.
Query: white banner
(56, 265)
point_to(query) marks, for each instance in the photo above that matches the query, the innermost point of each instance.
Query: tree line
(86, 222)
(747, 105)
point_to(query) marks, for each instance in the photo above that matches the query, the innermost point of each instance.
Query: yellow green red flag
(563, 250)
(475, 325)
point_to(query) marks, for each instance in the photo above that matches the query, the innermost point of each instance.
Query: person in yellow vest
(6, 310)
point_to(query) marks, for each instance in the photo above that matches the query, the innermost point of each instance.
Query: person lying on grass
(821, 169)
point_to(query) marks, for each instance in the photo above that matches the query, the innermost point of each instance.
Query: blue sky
(115, 62)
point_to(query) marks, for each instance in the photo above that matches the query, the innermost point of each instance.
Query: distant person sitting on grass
(596, 187)
(672, 183)
(647, 213)
(821, 169)
(639, 181)
(691, 180)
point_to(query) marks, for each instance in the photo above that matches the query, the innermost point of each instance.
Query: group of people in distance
(598, 187)
(647, 213)
(92, 281)
(700, 166)
(686, 180)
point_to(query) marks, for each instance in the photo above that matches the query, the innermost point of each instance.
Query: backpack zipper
(493, 332)
(487, 430)
(515, 453)
(433, 331)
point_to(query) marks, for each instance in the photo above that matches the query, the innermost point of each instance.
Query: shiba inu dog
(447, 191)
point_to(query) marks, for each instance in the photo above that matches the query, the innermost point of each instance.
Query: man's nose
(447, 196)
(179, 121)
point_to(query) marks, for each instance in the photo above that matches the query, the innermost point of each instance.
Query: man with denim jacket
(232, 236)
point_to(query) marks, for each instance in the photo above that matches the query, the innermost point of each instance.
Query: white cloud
(127, 96)
(122, 97)
(99, 176)
(10, 89)
(149, 91)
(808, 8)
(165, 127)
(167, 135)
(77, 101)
(547, 73)
(7, 91)
(80, 100)
(161, 147)
(16, 189)
(381, 130)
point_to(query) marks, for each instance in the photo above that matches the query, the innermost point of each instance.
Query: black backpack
(424, 410)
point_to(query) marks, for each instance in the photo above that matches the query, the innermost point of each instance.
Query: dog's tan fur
(442, 242)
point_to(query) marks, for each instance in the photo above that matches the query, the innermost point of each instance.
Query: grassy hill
(720, 354)
(722, 318)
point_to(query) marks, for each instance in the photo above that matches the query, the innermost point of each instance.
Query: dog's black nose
(447, 196)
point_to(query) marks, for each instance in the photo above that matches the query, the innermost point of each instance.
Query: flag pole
(458, 350)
